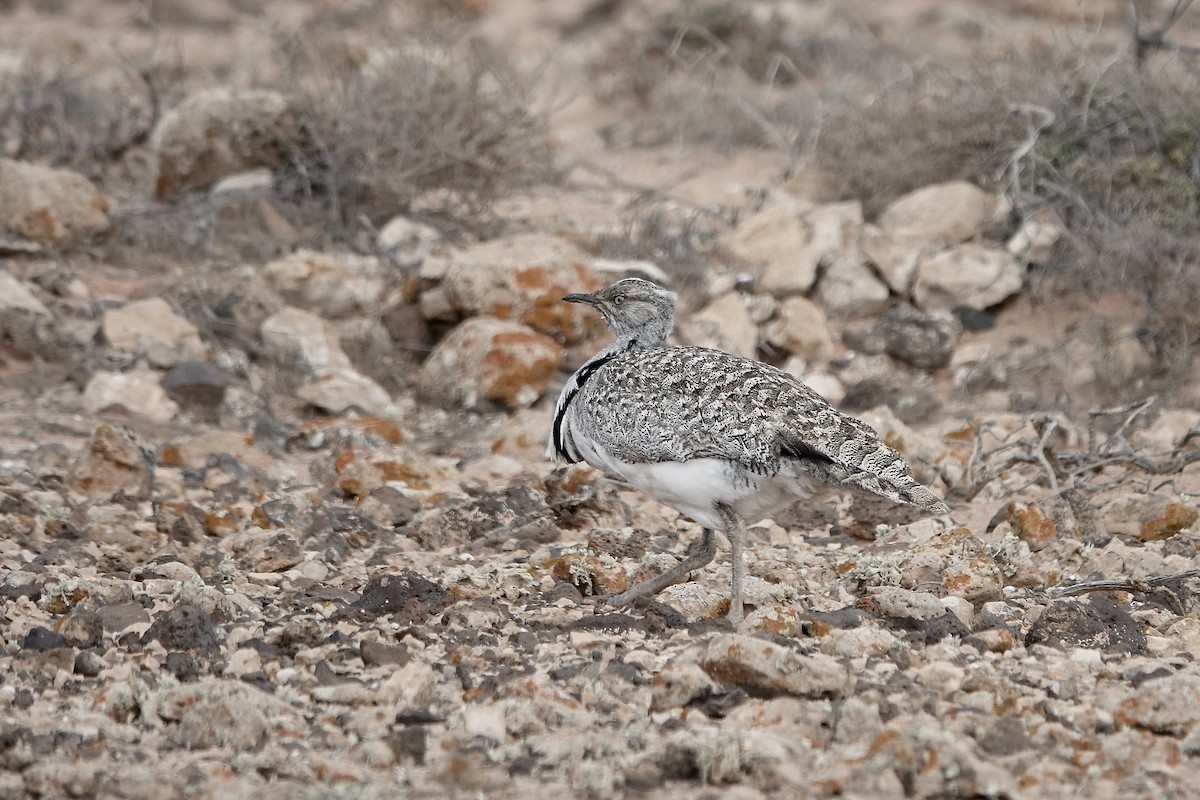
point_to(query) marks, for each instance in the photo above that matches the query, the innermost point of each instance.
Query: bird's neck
(645, 337)
(627, 343)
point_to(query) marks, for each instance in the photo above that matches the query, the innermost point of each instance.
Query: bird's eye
(618, 300)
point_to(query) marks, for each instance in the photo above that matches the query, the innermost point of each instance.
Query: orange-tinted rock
(1030, 525)
(1149, 516)
(1177, 517)
(591, 575)
(524, 278)
(488, 361)
(113, 462)
(360, 474)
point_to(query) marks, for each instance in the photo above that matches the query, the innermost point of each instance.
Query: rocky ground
(276, 381)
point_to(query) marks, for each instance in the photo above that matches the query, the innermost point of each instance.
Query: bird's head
(634, 309)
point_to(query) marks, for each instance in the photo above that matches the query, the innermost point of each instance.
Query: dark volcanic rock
(1096, 623)
(517, 512)
(197, 386)
(82, 628)
(120, 616)
(89, 664)
(928, 631)
(408, 596)
(920, 338)
(183, 666)
(40, 639)
(376, 654)
(409, 744)
(185, 627)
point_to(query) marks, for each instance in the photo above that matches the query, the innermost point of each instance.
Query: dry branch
(1144, 41)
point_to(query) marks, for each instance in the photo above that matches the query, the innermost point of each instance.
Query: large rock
(332, 284)
(850, 288)
(487, 360)
(958, 562)
(945, 213)
(763, 668)
(1034, 241)
(1149, 516)
(972, 275)
(113, 461)
(152, 328)
(16, 297)
(918, 338)
(27, 328)
(295, 336)
(219, 132)
(800, 328)
(1166, 704)
(340, 390)
(45, 207)
(895, 254)
(139, 393)
(197, 385)
(406, 242)
(776, 241)
(724, 324)
(1094, 622)
(225, 714)
(521, 278)
(788, 246)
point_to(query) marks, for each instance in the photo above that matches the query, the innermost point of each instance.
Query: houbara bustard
(722, 439)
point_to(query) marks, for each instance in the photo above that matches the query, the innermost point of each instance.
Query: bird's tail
(920, 496)
(901, 489)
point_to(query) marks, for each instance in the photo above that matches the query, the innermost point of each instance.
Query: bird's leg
(735, 530)
(696, 557)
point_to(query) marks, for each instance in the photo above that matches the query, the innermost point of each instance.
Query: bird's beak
(590, 299)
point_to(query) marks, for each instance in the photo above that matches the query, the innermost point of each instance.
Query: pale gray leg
(697, 556)
(735, 530)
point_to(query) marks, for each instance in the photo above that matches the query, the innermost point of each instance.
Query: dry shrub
(675, 237)
(691, 73)
(932, 126)
(1121, 166)
(729, 75)
(1112, 148)
(447, 127)
(771, 43)
(64, 115)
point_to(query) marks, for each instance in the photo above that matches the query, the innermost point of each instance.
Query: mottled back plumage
(684, 403)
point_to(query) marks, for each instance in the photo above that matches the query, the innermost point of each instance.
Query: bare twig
(1040, 118)
(768, 129)
(1155, 585)
(1156, 38)
(1175, 464)
(1043, 458)
(1131, 409)
(1124, 584)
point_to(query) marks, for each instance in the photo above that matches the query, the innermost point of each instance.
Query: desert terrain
(281, 335)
